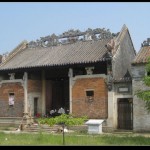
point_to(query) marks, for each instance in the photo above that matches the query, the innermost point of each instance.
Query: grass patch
(72, 139)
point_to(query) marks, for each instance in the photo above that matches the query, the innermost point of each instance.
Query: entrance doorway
(57, 95)
(60, 94)
(125, 115)
(35, 106)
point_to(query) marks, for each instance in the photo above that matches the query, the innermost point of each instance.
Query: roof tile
(79, 52)
(142, 56)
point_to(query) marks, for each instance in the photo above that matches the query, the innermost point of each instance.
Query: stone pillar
(110, 120)
(43, 93)
(70, 74)
(26, 118)
(25, 93)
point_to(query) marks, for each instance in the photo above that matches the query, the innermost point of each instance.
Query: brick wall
(98, 108)
(17, 109)
(34, 91)
(34, 86)
(141, 117)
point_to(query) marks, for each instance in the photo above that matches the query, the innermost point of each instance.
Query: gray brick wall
(123, 57)
(141, 118)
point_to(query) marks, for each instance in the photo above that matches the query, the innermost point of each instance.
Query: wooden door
(125, 118)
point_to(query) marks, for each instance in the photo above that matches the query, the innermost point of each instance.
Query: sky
(31, 20)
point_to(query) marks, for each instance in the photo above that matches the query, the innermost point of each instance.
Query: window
(11, 99)
(89, 95)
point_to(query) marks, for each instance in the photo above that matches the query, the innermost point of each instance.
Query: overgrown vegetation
(66, 119)
(145, 94)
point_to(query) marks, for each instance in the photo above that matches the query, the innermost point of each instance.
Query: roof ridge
(21, 46)
(122, 33)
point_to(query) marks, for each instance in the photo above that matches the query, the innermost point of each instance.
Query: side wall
(124, 56)
(141, 118)
(98, 108)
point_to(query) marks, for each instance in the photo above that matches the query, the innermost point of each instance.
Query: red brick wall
(34, 86)
(17, 109)
(98, 108)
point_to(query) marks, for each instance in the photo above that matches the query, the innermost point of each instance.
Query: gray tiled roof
(142, 55)
(79, 52)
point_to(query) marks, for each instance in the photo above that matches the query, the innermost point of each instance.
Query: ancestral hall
(88, 73)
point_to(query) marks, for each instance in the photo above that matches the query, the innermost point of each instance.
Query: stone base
(94, 126)
(26, 121)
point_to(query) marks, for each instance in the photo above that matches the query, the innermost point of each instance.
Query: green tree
(145, 94)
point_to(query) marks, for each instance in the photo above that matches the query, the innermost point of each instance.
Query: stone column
(43, 93)
(25, 93)
(26, 118)
(70, 74)
(110, 120)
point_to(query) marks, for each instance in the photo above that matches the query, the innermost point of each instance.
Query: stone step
(43, 128)
(7, 124)
(10, 121)
(122, 131)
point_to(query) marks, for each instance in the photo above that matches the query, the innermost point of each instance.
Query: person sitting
(52, 112)
(61, 111)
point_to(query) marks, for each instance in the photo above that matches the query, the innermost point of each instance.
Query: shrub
(66, 119)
